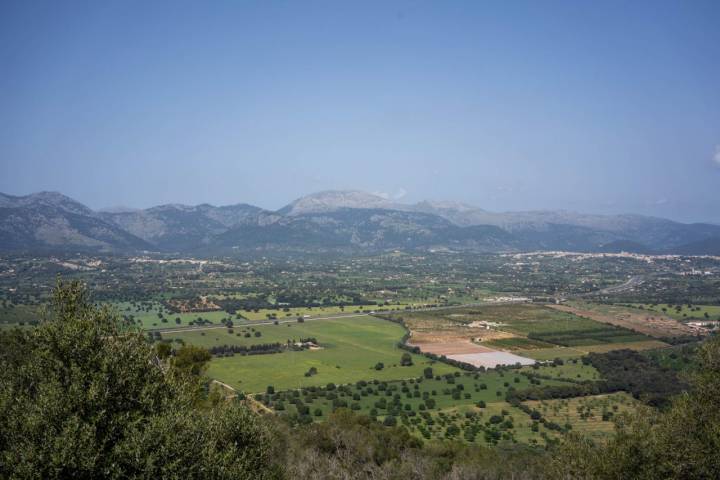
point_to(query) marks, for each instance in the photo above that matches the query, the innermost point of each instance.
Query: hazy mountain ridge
(183, 227)
(363, 229)
(345, 220)
(49, 220)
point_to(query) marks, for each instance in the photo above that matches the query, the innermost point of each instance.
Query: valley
(480, 348)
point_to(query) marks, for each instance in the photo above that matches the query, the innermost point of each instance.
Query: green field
(525, 319)
(350, 348)
(148, 318)
(694, 312)
(545, 326)
(428, 407)
(543, 354)
(591, 416)
(146, 315)
(289, 313)
(578, 351)
(536, 327)
(517, 343)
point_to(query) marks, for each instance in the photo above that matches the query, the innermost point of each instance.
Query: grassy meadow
(693, 312)
(350, 349)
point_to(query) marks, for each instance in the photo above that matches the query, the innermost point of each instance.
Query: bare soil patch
(653, 325)
(459, 347)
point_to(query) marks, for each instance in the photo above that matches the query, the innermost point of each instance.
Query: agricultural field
(528, 330)
(152, 315)
(349, 350)
(281, 313)
(517, 343)
(591, 416)
(265, 322)
(683, 312)
(464, 406)
(546, 354)
(653, 325)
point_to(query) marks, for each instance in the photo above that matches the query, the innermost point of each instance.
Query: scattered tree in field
(406, 360)
(390, 421)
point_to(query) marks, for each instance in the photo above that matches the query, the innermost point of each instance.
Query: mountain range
(334, 221)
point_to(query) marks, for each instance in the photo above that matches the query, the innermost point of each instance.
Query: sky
(602, 107)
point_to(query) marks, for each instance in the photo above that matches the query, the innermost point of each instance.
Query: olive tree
(82, 398)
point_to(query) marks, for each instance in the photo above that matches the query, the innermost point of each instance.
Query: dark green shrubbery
(80, 398)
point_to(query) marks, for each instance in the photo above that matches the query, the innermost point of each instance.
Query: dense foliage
(681, 442)
(80, 398)
(349, 446)
(638, 374)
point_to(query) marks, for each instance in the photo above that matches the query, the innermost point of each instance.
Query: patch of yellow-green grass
(570, 369)
(517, 343)
(551, 353)
(694, 312)
(591, 416)
(579, 351)
(608, 347)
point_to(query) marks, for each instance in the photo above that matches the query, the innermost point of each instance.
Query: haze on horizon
(598, 107)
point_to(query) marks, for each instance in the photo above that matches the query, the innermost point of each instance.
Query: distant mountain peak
(45, 198)
(331, 200)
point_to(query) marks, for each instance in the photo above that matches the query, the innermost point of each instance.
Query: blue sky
(591, 106)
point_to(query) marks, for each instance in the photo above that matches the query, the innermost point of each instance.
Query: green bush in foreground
(79, 398)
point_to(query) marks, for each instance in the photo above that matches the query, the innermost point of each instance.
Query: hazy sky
(595, 106)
